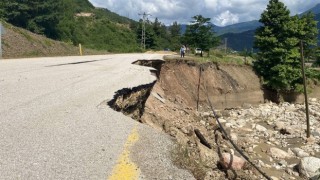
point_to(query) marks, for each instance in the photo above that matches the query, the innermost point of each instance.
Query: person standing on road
(182, 51)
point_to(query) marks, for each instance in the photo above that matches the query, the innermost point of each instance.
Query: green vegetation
(78, 21)
(200, 34)
(217, 57)
(278, 40)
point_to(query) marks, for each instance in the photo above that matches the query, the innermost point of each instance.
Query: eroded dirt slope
(271, 135)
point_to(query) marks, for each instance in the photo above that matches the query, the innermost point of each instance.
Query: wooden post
(198, 99)
(305, 89)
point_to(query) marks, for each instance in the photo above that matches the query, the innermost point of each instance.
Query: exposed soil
(178, 105)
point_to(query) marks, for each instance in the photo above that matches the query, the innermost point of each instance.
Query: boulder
(230, 161)
(278, 153)
(261, 128)
(299, 152)
(279, 125)
(310, 167)
(208, 156)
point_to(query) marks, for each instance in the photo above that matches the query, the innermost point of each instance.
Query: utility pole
(143, 31)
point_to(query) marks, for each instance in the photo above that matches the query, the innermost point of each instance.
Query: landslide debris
(272, 135)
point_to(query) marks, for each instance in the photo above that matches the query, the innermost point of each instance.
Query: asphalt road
(55, 123)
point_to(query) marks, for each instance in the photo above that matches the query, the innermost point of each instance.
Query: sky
(221, 12)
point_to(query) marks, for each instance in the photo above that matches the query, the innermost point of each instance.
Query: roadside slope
(20, 43)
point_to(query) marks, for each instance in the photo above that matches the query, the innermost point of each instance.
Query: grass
(32, 54)
(218, 57)
(26, 35)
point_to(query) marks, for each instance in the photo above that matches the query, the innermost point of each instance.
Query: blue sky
(221, 12)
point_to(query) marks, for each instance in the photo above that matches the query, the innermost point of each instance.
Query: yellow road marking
(125, 169)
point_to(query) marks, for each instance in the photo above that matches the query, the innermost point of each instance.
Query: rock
(310, 167)
(222, 120)
(278, 153)
(311, 140)
(225, 113)
(279, 125)
(274, 178)
(316, 133)
(283, 163)
(208, 156)
(261, 163)
(299, 152)
(233, 162)
(313, 99)
(234, 137)
(188, 130)
(261, 128)
(205, 114)
(250, 150)
(203, 122)
(229, 125)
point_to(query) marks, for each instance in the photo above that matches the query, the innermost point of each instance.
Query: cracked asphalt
(55, 122)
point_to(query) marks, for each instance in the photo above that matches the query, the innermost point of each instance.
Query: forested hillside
(78, 21)
(244, 40)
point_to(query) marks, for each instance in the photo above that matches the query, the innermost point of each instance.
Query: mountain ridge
(244, 40)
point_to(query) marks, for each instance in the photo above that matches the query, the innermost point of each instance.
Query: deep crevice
(131, 101)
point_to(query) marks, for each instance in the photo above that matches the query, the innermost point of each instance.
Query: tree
(37, 16)
(200, 33)
(175, 35)
(278, 40)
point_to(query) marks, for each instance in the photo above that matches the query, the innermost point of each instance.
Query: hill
(73, 21)
(240, 41)
(237, 28)
(20, 43)
(234, 28)
(244, 40)
(315, 10)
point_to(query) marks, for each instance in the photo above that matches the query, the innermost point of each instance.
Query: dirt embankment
(227, 85)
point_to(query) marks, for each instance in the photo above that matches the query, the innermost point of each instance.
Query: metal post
(143, 31)
(305, 89)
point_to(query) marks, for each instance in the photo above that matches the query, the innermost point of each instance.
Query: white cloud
(222, 12)
(226, 18)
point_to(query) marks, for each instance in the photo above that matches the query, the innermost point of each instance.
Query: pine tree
(278, 41)
(175, 34)
(200, 33)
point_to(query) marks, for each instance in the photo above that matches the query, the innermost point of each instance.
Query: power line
(143, 31)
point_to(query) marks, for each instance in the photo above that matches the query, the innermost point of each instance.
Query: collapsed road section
(177, 104)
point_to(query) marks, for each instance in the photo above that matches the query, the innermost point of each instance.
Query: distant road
(55, 124)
